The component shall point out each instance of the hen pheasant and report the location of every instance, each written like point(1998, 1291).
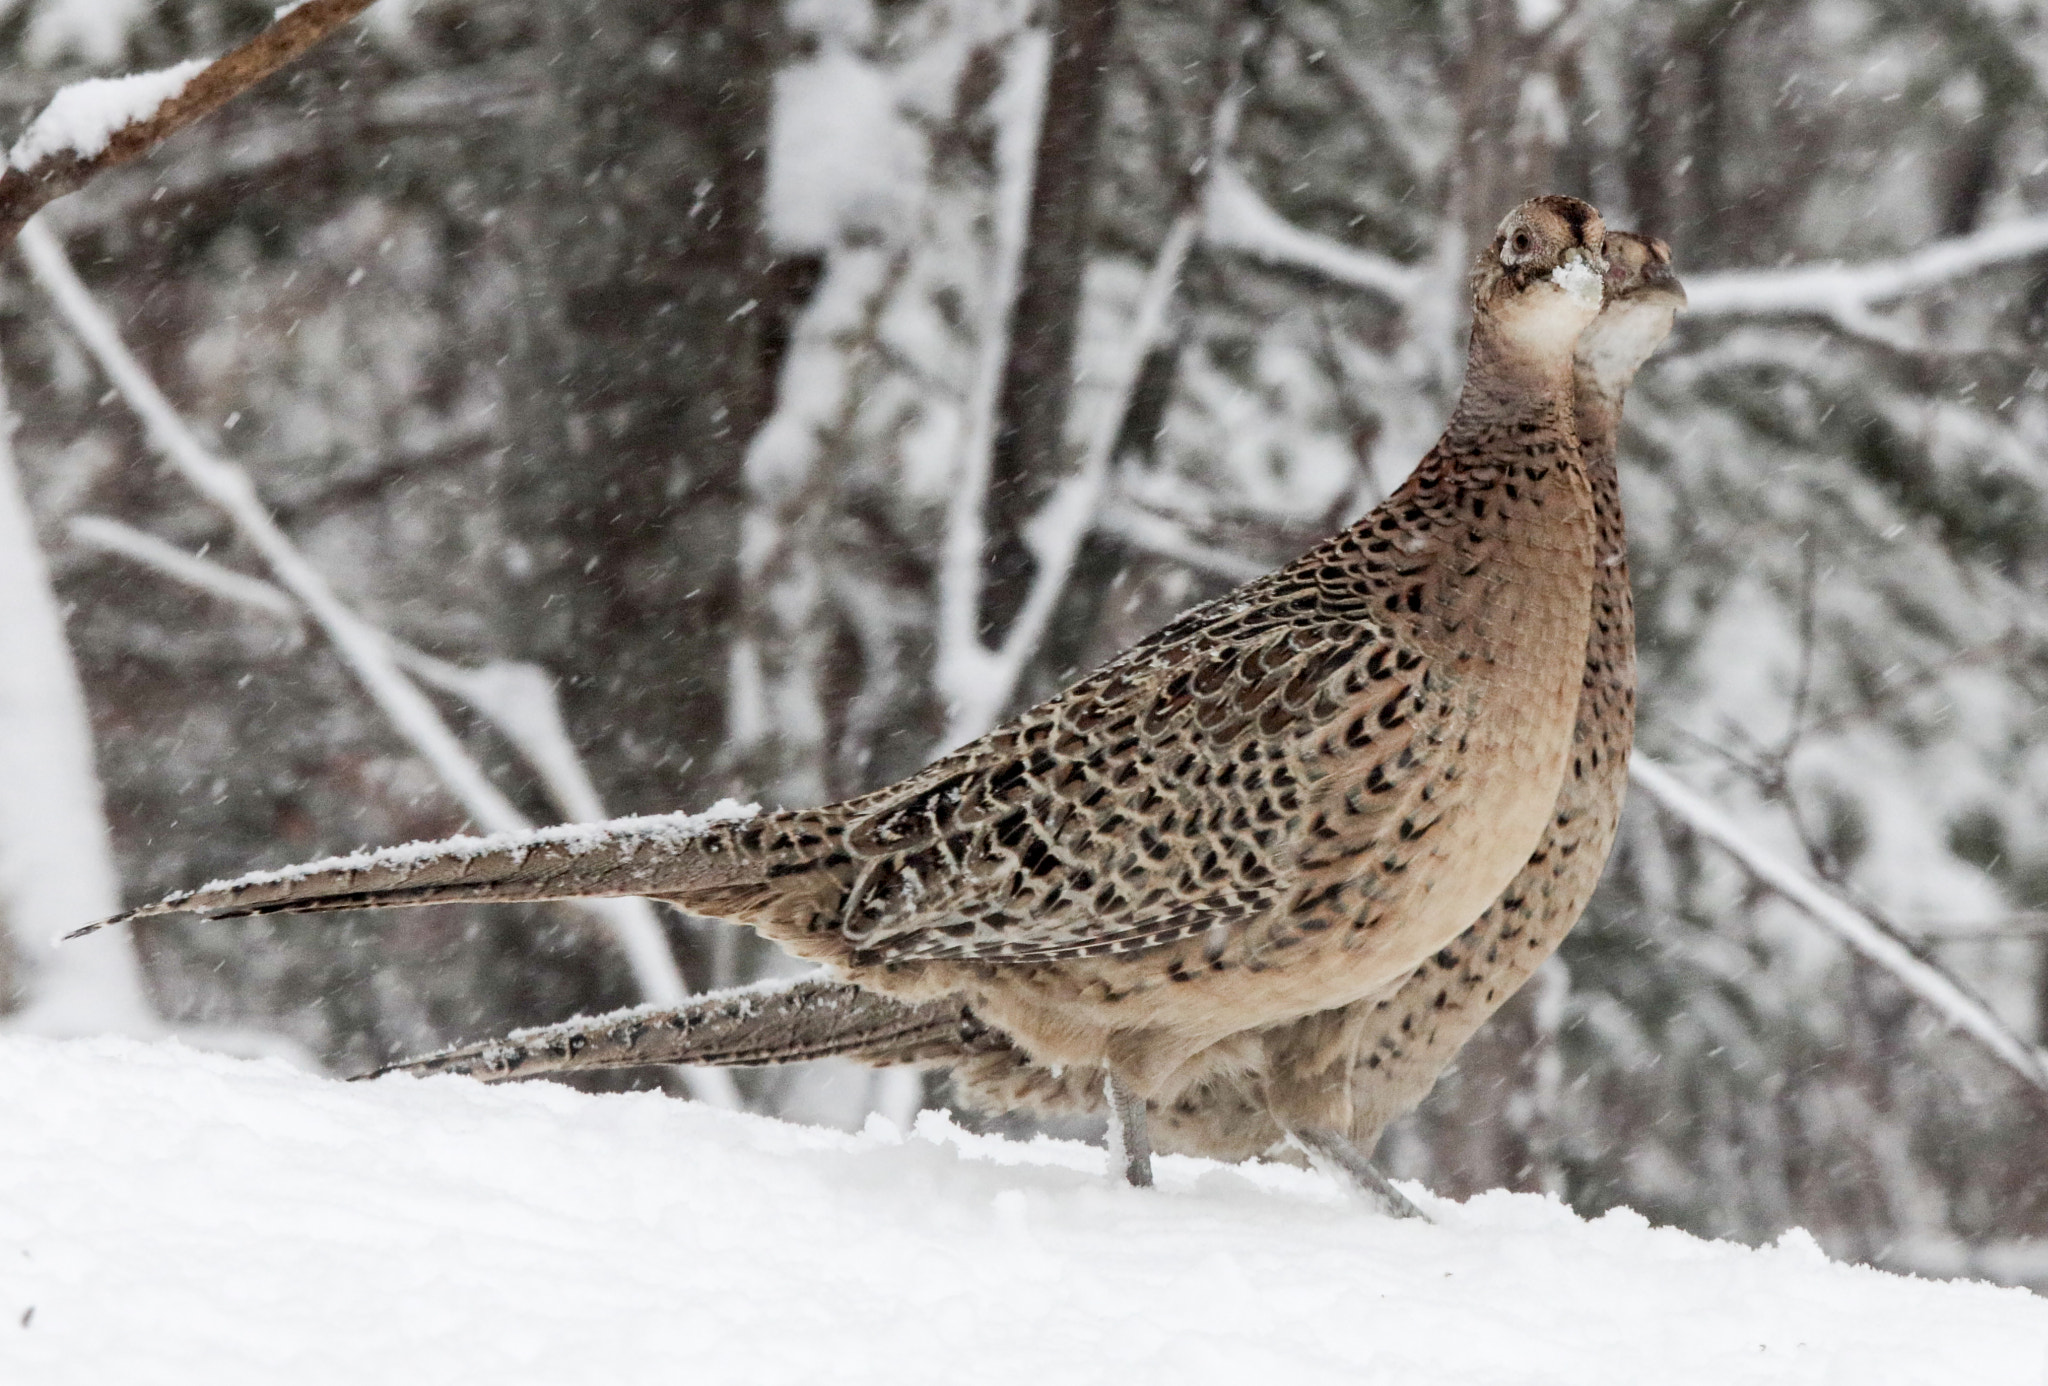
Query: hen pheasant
point(1398, 1043)
point(1282, 803)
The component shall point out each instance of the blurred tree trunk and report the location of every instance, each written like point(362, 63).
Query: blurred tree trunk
point(651, 365)
point(1072, 638)
point(1505, 100)
point(1031, 410)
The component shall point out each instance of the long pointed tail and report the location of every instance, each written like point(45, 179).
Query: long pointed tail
point(779, 1022)
point(664, 855)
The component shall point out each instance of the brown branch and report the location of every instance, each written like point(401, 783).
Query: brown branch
point(24, 192)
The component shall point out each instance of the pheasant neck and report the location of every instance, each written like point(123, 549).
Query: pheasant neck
point(1507, 386)
point(1597, 414)
point(1611, 640)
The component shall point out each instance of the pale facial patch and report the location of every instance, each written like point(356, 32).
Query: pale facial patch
point(1621, 339)
point(1547, 318)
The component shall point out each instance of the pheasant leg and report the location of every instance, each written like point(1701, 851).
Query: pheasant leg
point(1130, 1143)
point(1335, 1154)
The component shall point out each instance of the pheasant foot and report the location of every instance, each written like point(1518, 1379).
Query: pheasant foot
point(1335, 1154)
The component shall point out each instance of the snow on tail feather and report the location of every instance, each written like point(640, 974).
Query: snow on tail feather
point(774, 1023)
point(624, 856)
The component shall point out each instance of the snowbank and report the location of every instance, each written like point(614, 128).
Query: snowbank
point(170, 1216)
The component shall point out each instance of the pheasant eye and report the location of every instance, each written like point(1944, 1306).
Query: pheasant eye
point(1521, 242)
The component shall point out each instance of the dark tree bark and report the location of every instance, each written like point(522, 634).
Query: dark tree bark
point(1031, 411)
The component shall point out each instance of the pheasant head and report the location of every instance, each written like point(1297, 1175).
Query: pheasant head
point(1643, 296)
point(1539, 282)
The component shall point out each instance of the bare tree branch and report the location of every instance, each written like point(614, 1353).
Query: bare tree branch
point(1870, 937)
point(50, 160)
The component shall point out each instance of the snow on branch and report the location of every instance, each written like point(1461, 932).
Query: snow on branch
point(1165, 538)
point(93, 125)
point(1848, 295)
point(367, 651)
point(201, 574)
point(1868, 936)
point(962, 663)
point(515, 697)
point(980, 682)
point(361, 645)
point(1236, 218)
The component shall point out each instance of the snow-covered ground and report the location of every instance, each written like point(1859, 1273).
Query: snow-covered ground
point(171, 1216)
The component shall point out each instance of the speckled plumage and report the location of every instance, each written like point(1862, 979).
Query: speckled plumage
point(1280, 805)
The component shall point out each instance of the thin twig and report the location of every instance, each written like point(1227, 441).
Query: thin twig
point(27, 188)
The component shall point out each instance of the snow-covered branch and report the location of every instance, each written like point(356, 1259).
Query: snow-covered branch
point(1873, 939)
point(202, 574)
point(361, 645)
point(367, 651)
point(1057, 531)
point(1849, 295)
point(1236, 218)
point(1156, 534)
point(515, 697)
point(94, 125)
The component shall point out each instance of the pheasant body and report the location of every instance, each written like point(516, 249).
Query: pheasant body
point(1280, 805)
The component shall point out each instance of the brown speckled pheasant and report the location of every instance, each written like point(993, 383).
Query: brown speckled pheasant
point(1400, 1041)
point(1281, 804)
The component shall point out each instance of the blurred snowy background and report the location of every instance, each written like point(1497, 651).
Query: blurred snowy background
point(711, 375)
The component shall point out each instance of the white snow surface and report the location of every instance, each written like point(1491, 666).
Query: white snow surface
point(82, 117)
point(653, 831)
point(171, 1216)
